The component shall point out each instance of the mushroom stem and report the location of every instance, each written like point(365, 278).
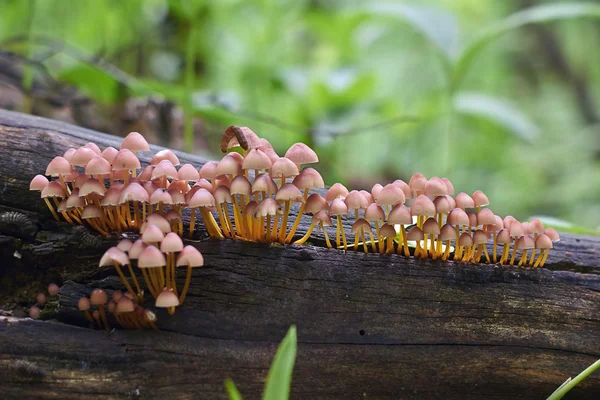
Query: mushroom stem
point(66, 215)
point(103, 316)
point(514, 252)
point(284, 221)
point(136, 211)
point(88, 316)
point(390, 245)
point(373, 244)
point(486, 254)
point(54, 214)
point(186, 286)
point(73, 214)
point(380, 242)
point(523, 258)
point(326, 236)
point(224, 225)
point(304, 238)
point(433, 247)
point(447, 251)
point(239, 221)
point(171, 310)
point(268, 234)
point(533, 253)
point(140, 293)
point(123, 279)
point(542, 258)
point(148, 281)
point(193, 222)
point(290, 235)
point(404, 242)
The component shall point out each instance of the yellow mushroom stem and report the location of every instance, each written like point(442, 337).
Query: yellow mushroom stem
point(274, 230)
point(419, 250)
point(121, 321)
point(326, 235)
point(485, 253)
point(268, 225)
point(523, 257)
point(292, 232)
point(433, 247)
point(136, 210)
point(372, 241)
point(171, 310)
point(148, 281)
point(155, 278)
point(103, 316)
point(404, 242)
point(304, 238)
point(193, 222)
point(54, 214)
point(390, 245)
point(88, 316)
point(542, 259)
point(73, 214)
point(240, 227)
point(533, 254)
point(123, 279)
point(514, 252)
point(140, 293)
point(447, 251)
point(380, 242)
point(284, 221)
point(224, 225)
point(66, 215)
point(495, 236)
point(186, 286)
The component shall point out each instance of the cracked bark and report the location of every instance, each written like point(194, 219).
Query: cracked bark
point(369, 326)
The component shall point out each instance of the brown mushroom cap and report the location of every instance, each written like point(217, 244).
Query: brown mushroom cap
point(83, 304)
point(53, 289)
point(267, 207)
point(543, 242)
point(202, 198)
point(161, 195)
point(166, 299)
point(190, 257)
point(355, 200)
point(284, 167)
point(165, 155)
point(134, 141)
point(98, 297)
point(264, 183)
point(98, 166)
point(431, 226)
point(92, 186)
point(229, 165)
point(508, 220)
point(40, 298)
point(134, 192)
point(53, 189)
point(92, 211)
point(435, 187)
point(408, 194)
point(390, 195)
point(335, 191)
point(516, 229)
point(415, 234)
point(152, 234)
point(422, 206)
point(82, 156)
point(124, 305)
point(222, 195)
point(165, 169)
point(256, 159)
point(443, 204)
point(338, 207)
point(373, 212)
point(480, 199)
point(447, 233)
point(526, 243)
point(400, 214)
point(315, 203)
point(209, 170)
point(125, 160)
point(359, 224)
point(111, 198)
point(58, 166)
point(289, 191)
point(322, 217)
point(449, 186)
point(375, 190)
point(465, 240)
point(486, 217)
point(503, 236)
point(309, 178)
point(552, 234)
point(136, 249)
point(299, 153)
point(171, 243)
point(34, 312)
point(387, 231)
point(480, 237)
point(187, 172)
point(240, 185)
point(151, 257)
point(124, 245)
point(39, 182)
point(536, 226)
point(156, 219)
point(417, 183)
point(463, 201)
point(114, 255)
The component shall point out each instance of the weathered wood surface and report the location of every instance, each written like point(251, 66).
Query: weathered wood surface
point(369, 326)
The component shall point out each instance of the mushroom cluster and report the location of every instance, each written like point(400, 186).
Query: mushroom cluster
point(124, 308)
point(249, 194)
point(156, 254)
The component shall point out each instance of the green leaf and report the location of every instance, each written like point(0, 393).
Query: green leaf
point(532, 15)
point(232, 391)
point(571, 383)
point(439, 27)
point(497, 110)
point(279, 379)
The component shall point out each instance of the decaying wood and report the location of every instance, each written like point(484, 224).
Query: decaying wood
point(369, 326)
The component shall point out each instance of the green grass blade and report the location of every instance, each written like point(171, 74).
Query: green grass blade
point(232, 391)
point(279, 379)
point(532, 15)
point(568, 385)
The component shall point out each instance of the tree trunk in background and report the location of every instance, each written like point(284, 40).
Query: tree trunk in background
point(369, 326)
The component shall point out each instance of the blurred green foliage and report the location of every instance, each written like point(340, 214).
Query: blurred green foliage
point(381, 89)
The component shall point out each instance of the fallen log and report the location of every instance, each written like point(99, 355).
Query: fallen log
point(369, 325)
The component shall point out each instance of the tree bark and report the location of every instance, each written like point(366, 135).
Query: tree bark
point(369, 325)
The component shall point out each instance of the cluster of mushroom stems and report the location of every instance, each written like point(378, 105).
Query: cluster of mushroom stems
point(249, 195)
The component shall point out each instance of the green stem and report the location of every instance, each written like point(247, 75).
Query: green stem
point(570, 384)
